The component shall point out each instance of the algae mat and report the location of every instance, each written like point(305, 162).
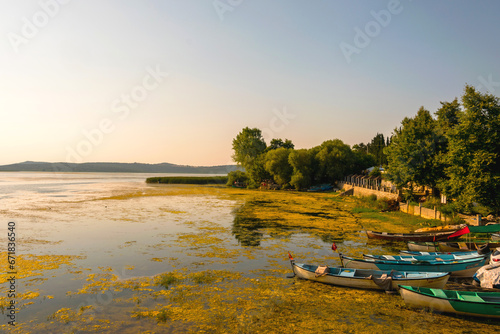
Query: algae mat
point(135, 258)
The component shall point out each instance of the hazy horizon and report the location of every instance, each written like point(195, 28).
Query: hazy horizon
point(175, 81)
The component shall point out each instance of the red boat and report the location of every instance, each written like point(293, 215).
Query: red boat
point(420, 237)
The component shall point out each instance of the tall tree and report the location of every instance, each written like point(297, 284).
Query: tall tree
point(413, 152)
point(335, 159)
point(248, 147)
point(276, 163)
point(474, 152)
point(376, 148)
point(302, 162)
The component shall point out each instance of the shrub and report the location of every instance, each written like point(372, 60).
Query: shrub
point(188, 180)
point(237, 177)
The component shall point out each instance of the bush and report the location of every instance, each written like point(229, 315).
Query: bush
point(188, 180)
point(385, 204)
point(238, 178)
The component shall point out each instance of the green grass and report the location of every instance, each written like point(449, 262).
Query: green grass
point(188, 180)
point(363, 210)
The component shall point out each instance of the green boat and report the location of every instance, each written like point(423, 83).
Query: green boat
point(479, 304)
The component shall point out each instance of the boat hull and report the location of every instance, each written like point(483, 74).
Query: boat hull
point(467, 304)
point(419, 237)
point(434, 280)
point(465, 268)
point(448, 246)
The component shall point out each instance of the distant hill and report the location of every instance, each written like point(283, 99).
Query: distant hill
point(115, 167)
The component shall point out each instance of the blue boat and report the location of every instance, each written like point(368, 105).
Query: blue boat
point(459, 268)
point(419, 253)
point(426, 256)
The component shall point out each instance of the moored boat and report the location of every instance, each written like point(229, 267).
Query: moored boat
point(436, 236)
point(459, 268)
point(473, 253)
point(482, 304)
point(370, 279)
point(421, 256)
point(441, 228)
point(443, 246)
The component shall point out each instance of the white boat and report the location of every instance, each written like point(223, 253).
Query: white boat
point(370, 279)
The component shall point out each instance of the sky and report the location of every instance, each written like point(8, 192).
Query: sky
point(175, 81)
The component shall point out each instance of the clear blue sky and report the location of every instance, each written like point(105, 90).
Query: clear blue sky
point(175, 81)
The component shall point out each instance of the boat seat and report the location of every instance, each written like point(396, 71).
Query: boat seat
point(470, 298)
point(347, 273)
point(439, 293)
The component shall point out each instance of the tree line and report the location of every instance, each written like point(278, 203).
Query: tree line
point(281, 163)
point(455, 153)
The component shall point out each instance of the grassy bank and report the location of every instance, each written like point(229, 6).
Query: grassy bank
point(188, 180)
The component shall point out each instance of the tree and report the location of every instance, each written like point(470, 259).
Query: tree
point(412, 154)
point(248, 147)
point(334, 159)
point(447, 115)
point(302, 163)
point(376, 148)
point(276, 163)
point(277, 143)
point(474, 152)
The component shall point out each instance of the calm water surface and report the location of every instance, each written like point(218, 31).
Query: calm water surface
point(114, 221)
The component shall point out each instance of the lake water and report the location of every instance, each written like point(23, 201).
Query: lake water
point(116, 223)
point(90, 246)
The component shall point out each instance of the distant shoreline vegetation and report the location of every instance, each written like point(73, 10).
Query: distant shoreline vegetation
point(188, 180)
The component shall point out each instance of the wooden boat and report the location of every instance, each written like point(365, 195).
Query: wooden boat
point(440, 228)
point(436, 236)
point(443, 246)
point(473, 253)
point(481, 304)
point(495, 237)
point(427, 257)
point(370, 279)
point(459, 268)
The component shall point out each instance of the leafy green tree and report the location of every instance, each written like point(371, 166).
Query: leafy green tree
point(335, 159)
point(412, 154)
point(376, 148)
point(447, 115)
point(277, 143)
point(248, 147)
point(361, 148)
point(474, 152)
point(276, 164)
point(302, 163)
point(362, 161)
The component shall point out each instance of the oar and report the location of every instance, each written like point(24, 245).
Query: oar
point(334, 248)
point(291, 262)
